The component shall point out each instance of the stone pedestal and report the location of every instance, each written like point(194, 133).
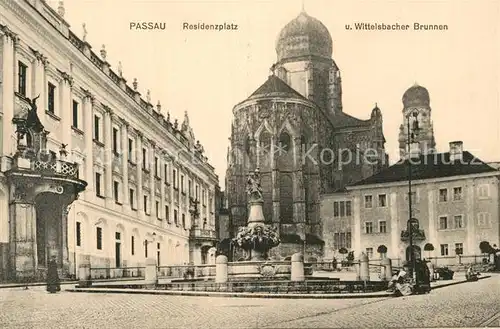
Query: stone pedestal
point(297, 270)
point(256, 215)
point(221, 269)
point(150, 274)
point(84, 279)
point(364, 270)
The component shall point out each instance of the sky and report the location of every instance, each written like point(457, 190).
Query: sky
point(208, 72)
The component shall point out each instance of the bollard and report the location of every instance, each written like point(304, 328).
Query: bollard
point(150, 273)
point(364, 271)
point(297, 270)
point(386, 266)
point(431, 271)
point(358, 273)
point(221, 269)
point(84, 279)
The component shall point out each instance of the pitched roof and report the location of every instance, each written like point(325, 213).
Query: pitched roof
point(274, 87)
point(429, 166)
point(344, 120)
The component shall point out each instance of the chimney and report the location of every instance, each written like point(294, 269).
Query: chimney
point(456, 150)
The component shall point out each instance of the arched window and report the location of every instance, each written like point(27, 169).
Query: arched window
point(247, 144)
point(284, 143)
point(286, 198)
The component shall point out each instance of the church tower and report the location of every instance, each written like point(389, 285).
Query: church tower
point(416, 106)
point(304, 61)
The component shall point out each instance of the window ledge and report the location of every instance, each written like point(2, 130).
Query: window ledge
point(98, 143)
point(76, 130)
point(52, 115)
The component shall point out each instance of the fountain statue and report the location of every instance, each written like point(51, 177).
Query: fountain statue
point(257, 238)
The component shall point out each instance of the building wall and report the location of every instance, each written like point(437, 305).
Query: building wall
point(172, 170)
point(479, 211)
point(337, 223)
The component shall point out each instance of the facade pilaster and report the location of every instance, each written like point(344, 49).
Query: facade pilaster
point(471, 244)
point(108, 154)
point(356, 234)
point(88, 115)
point(40, 82)
point(163, 201)
point(432, 218)
point(8, 82)
point(152, 179)
point(124, 162)
point(140, 193)
point(395, 227)
point(66, 112)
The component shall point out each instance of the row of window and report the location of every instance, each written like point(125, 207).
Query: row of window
point(445, 223)
point(444, 250)
point(116, 145)
point(118, 241)
point(444, 196)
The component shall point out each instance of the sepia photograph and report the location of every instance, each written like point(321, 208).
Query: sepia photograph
point(249, 164)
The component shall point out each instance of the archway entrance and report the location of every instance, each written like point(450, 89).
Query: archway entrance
point(417, 252)
point(49, 229)
point(204, 254)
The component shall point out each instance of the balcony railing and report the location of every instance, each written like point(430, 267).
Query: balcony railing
point(52, 167)
point(203, 234)
point(417, 235)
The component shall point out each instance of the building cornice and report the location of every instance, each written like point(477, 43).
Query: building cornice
point(423, 181)
point(90, 72)
point(133, 220)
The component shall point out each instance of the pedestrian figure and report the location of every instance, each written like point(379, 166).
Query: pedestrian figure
point(53, 284)
point(334, 264)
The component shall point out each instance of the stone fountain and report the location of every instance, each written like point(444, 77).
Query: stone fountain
point(257, 238)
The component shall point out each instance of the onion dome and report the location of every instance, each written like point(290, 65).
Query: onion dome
point(376, 113)
point(304, 36)
point(416, 96)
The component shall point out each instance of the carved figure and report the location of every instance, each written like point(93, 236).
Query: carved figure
point(253, 185)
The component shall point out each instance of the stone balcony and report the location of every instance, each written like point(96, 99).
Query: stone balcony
point(203, 234)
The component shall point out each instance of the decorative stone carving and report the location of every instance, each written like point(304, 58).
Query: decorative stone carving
point(103, 52)
point(135, 84)
point(84, 36)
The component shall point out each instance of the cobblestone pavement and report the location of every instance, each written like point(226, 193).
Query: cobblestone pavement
point(461, 305)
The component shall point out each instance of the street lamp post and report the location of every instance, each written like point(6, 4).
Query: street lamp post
point(412, 132)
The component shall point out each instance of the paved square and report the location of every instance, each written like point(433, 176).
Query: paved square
point(463, 305)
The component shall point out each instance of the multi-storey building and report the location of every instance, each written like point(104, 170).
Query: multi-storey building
point(90, 170)
point(455, 197)
point(455, 202)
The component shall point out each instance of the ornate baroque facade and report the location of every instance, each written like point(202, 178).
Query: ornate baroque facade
point(294, 129)
point(72, 127)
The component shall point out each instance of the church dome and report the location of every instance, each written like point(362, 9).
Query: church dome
point(304, 36)
point(416, 96)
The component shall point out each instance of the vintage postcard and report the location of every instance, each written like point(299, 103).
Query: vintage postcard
point(249, 164)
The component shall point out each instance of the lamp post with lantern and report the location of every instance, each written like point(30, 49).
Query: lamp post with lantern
point(412, 224)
